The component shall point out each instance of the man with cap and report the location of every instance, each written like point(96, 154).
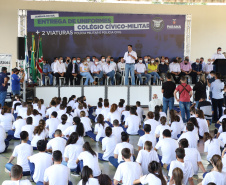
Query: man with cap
point(16, 81)
point(3, 85)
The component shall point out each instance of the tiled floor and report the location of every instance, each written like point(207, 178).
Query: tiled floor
point(106, 167)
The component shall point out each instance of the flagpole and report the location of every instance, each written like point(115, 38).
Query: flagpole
point(37, 58)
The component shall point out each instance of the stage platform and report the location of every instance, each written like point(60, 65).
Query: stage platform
point(131, 94)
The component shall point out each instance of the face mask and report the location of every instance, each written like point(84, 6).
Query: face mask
point(74, 61)
point(152, 61)
point(44, 63)
point(61, 60)
point(111, 62)
point(68, 60)
point(140, 61)
point(145, 59)
point(88, 59)
point(197, 63)
point(93, 60)
point(162, 63)
point(78, 61)
point(103, 60)
point(85, 63)
point(96, 63)
point(185, 63)
point(166, 61)
point(219, 52)
point(57, 60)
point(208, 62)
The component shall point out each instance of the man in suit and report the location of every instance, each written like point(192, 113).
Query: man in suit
point(72, 71)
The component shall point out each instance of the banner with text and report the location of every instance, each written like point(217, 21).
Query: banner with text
point(95, 34)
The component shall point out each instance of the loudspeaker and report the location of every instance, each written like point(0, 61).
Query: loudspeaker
point(20, 48)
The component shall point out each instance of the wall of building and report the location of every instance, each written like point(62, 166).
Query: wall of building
point(208, 24)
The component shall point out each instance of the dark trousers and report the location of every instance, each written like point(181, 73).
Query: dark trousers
point(217, 106)
point(71, 78)
point(194, 77)
point(176, 78)
point(57, 75)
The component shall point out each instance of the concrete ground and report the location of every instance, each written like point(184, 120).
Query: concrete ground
point(106, 167)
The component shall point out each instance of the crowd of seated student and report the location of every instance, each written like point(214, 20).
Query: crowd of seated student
point(73, 69)
point(163, 143)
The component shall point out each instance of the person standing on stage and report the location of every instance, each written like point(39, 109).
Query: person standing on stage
point(218, 55)
point(3, 85)
point(130, 57)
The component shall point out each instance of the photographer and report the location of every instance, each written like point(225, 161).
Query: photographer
point(16, 81)
point(3, 85)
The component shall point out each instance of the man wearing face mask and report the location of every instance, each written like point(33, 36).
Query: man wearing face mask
point(218, 55)
point(53, 65)
point(175, 71)
point(208, 68)
point(90, 63)
point(146, 61)
point(185, 67)
point(47, 72)
point(163, 69)
point(141, 70)
point(112, 62)
point(60, 70)
point(167, 61)
point(96, 70)
point(120, 70)
point(78, 62)
point(67, 62)
point(202, 62)
point(196, 70)
point(16, 81)
point(108, 70)
point(102, 61)
point(130, 56)
point(94, 58)
point(72, 72)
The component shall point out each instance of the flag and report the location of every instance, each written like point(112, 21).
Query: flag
point(33, 66)
point(39, 63)
point(26, 53)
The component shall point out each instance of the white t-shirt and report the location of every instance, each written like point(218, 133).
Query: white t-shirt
point(116, 131)
point(91, 181)
point(90, 161)
point(108, 146)
point(20, 182)
point(176, 128)
point(36, 137)
point(57, 143)
point(118, 150)
point(64, 127)
point(203, 126)
point(100, 130)
point(224, 163)
point(2, 139)
point(105, 112)
point(60, 113)
point(50, 110)
point(222, 117)
point(168, 147)
point(29, 129)
point(133, 122)
point(52, 124)
point(36, 119)
point(41, 161)
point(153, 124)
point(72, 152)
point(22, 112)
point(215, 177)
point(17, 125)
point(147, 137)
point(150, 179)
point(222, 137)
point(22, 151)
point(57, 174)
point(14, 102)
point(128, 172)
point(193, 156)
point(159, 130)
point(114, 115)
point(42, 110)
point(126, 114)
point(69, 130)
point(86, 123)
point(212, 148)
point(144, 158)
point(191, 137)
point(6, 121)
point(186, 167)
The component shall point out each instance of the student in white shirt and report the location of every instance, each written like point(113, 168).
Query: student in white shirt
point(21, 151)
point(185, 166)
point(151, 121)
point(41, 108)
point(223, 156)
point(105, 110)
point(6, 118)
point(147, 155)
point(69, 114)
point(113, 114)
point(222, 136)
point(108, 145)
point(22, 111)
point(126, 113)
point(98, 110)
point(117, 131)
point(121, 108)
point(87, 177)
point(203, 125)
point(177, 177)
point(4, 143)
point(39, 133)
point(128, 171)
point(28, 112)
point(57, 143)
point(16, 175)
point(52, 124)
point(133, 122)
point(117, 159)
point(29, 128)
point(176, 127)
point(39, 162)
point(51, 109)
point(140, 111)
point(216, 175)
point(85, 121)
point(64, 124)
point(99, 129)
point(16, 128)
point(160, 128)
point(154, 176)
point(168, 147)
point(15, 101)
point(192, 155)
point(71, 153)
point(89, 158)
point(57, 173)
point(61, 111)
point(147, 137)
point(71, 101)
point(212, 146)
point(190, 136)
point(36, 117)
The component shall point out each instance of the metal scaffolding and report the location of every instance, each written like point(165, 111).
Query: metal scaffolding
point(187, 36)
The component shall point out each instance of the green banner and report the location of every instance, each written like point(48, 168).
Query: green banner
point(70, 21)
